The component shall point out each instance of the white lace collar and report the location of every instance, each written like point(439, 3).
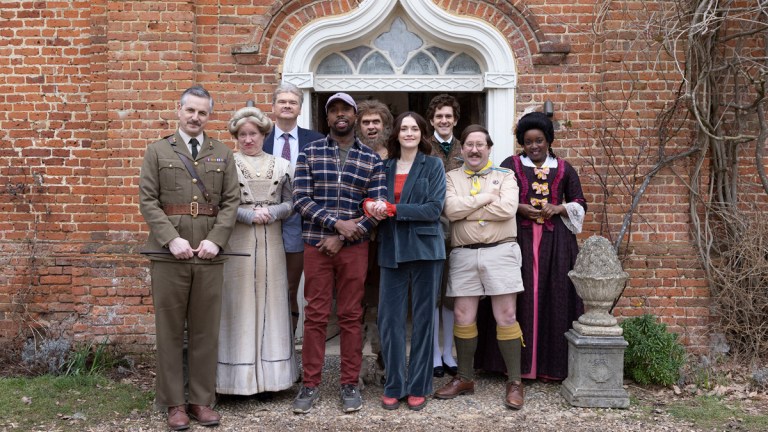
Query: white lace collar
point(549, 163)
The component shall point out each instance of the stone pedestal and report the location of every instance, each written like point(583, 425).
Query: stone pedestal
point(595, 371)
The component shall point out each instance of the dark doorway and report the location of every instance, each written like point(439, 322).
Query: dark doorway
point(472, 106)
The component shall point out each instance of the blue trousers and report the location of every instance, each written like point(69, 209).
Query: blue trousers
point(422, 278)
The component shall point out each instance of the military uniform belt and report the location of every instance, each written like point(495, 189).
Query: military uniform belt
point(193, 209)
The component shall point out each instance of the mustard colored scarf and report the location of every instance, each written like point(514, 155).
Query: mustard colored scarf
point(475, 175)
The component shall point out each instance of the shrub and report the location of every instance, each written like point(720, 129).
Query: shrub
point(654, 355)
point(47, 356)
point(59, 357)
point(90, 359)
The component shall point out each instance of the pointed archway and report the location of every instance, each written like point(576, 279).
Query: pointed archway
point(496, 73)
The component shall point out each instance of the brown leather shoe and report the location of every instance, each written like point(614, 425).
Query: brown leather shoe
point(515, 395)
point(455, 387)
point(177, 418)
point(204, 415)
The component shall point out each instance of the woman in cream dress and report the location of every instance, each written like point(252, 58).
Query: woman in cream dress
point(256, 352)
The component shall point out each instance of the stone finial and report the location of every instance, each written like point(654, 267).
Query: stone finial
point(599, 279)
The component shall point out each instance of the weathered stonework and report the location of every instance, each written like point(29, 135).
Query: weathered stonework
point(595, 345)
point(595, 371)
point(599, 279)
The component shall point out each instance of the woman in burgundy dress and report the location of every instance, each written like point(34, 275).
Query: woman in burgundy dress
point(550, 214)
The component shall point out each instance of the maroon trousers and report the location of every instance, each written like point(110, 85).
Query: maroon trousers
point(345, 273)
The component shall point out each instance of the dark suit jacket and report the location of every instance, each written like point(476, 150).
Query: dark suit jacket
point(292, 241)
point(306, 136)
point(414, 233)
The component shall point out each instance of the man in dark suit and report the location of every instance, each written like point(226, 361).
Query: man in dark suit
point(189, 195)
point(286, 106)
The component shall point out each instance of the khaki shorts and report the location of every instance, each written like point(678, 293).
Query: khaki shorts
point(485, 271)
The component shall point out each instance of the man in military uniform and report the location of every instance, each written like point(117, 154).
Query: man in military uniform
point(189, 195)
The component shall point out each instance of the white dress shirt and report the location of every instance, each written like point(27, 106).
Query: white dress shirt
point(277, 149)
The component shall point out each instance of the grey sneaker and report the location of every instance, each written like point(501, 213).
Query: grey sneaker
point(305, 399)
point(351, 400)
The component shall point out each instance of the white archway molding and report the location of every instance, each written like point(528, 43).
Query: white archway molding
point(499, 79)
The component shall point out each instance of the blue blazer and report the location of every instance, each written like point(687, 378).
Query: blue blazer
point(292, 241)
point(306, 136)
point(414, 233)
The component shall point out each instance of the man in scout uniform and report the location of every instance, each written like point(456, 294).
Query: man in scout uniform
point(481, 202)
point(189, 196)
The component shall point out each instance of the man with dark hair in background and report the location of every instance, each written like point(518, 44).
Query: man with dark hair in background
point(443, 115)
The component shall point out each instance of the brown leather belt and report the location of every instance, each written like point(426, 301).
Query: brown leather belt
point(488, 245)
point(193, 209)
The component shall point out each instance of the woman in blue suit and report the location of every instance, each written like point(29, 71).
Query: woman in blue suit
point(411, 255)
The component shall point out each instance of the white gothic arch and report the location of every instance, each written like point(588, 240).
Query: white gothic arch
point(499, 78)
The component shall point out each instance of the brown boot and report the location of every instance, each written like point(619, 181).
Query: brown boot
point(177, 417)
point(204, 415)
point(515, 395)
point(455, 387)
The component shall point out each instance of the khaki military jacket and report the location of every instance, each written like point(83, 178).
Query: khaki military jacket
point(165, 180)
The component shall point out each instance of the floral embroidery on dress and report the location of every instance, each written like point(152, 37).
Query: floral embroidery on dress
point(248, 169)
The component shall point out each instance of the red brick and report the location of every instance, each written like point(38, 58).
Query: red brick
point(84, 105)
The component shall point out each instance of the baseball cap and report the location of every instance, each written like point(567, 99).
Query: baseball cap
point(347, 99)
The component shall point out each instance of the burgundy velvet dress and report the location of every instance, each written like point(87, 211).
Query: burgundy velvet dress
point(549, 304)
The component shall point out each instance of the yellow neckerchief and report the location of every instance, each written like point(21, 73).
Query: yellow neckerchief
point(475, 176)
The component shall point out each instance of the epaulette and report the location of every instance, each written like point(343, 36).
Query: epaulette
point(171, 139)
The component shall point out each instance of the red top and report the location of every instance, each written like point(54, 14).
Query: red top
point(399, 183)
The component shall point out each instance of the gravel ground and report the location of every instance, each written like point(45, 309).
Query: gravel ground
point(545, 410)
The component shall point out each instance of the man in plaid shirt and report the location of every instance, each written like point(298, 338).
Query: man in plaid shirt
point(333, 177)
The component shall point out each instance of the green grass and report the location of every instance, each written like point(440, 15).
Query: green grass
point(68, 403)
point(709, 412)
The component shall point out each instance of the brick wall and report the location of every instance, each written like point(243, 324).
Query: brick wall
point(87, 84)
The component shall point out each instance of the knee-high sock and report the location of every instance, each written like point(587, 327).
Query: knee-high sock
point(510, 339)
point(437, 357)
point(448, 337)
point(466, 344)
